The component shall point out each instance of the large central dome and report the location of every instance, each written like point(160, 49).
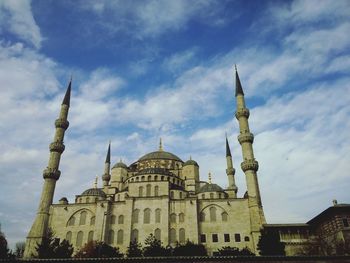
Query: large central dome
point(160, 155)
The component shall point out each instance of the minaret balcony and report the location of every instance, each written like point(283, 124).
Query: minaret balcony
point(50, 173)
point(106, 177)
point(246, 137)
point(57, 147)
point(249, 165)
point(230, 171)
point(62, 123)
point(242, 112)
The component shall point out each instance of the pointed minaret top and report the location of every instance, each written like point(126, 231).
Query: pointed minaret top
point(160, 145)
point(228, 151)
point(209, 177)
point(239, 89)
point(66, 99)
point(108, 157)
point(95, 183)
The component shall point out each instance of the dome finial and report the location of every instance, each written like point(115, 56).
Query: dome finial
point(160, 144)
point(95, 183)
point(209, 177)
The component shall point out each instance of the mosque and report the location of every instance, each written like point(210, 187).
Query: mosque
point(163, 195)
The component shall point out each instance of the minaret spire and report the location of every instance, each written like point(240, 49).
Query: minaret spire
point(230, 171)
point(106, 175)
point(160, 144)
point(249, 165)
point(209, 177)
point(51, 174)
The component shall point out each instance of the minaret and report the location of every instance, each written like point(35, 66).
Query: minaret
point(51, 174)
point(230, 171)
point(107, 176)
point(249, 165)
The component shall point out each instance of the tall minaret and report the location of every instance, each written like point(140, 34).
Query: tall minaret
point(51, 174)
point(230, 171)
point(107, 176)
point(249, 165)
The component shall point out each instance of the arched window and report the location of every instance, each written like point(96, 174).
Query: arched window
point(120, 236)
point(172, 236)
point(71, 221)
point(212, 214)
point(157, 215)
point(142, 178)
point(149, 178)
point(203, 196)
point(140, 191)
point(92, 221)
point(80, 236)
point(90, 236)
point(148, 190)
point(156, 178)
point(180, 195)
point(112, 219)
point(211, 196)
point(181, 217)
point(82, 218)
point(147, 216)
point(135, 235)
point(135, 216)
point(224, 216)
point(182, 237)
point(162, 178)
point(69, 236)
point(110, 238)
point(157, 234)
point(121, 219)
point(219, 195)
point(137, 179)
point(171, 194)
point(202, 217)
point(87, 199)
point(156, 190)
point(173, 218)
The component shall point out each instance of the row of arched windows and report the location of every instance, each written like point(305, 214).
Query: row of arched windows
point(213, 216)
point(120, 219)
point(212, 195)
point(156, 178)
point(146, 216)
point(82, 220)
point(120, 237)
point(173, 218)
point(135, 234)
point(173, 237)
point(80, 237)
point(149, 190)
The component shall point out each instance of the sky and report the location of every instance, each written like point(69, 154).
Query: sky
point(148, 69)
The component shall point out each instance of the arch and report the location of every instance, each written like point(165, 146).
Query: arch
point(69, 236)
point(182, 236)
point(173, 218)
point(157, 215)
point(142, 178)
point(156, 178)
point(92, 220)
point(181, 217)
point(212, 213)
point(211, 195)
point(112, 219)
point(148, 190)
point(135, 216)
point(71, 221)
point(171, 194)
point(172, 235)
point(90, 236)
point(224, 217)
point(162, 178)
point(180, 195)
point(157, 234)
point(80, 236)
point(147, 216)
point(149, 178)
point(202, 217)
point(156, 190)
point(135, 235)
point(121, 219)
point(110, 237)
point(87, 200)
point(140, 191)
point(82, 220)
point(120, 236)
point(203, 196)
point(137, 179)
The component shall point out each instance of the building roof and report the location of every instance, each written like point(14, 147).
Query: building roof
point(120, 165)
point(160, 155)
point(191, 162)
point(94, 192)
point(330, 211)
point(210, 188)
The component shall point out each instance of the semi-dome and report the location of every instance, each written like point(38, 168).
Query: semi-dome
point(120, 165)
point(94, 192)
point(161, 155)
point(191, 162)
point(210, 188)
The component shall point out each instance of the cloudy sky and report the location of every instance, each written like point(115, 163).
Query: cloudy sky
point(149, 69)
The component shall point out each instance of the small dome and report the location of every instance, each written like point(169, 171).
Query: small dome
point(210, 188)
point(120, 165)
point(94, 192)
point(191, 162)
point(160, 155)
point(63, 201)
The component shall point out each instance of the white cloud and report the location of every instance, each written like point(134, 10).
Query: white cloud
point(179, 61)
point(16, 17)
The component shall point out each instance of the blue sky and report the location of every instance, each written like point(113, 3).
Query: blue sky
point(149, 69)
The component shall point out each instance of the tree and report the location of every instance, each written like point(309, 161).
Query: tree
point(4, 251)
point(154, 248)
point(20, 246)
point(234, 251)
point(134, 249)
point(51, 247)
point(94, 249)
point(270, 243)
point(190, 249)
